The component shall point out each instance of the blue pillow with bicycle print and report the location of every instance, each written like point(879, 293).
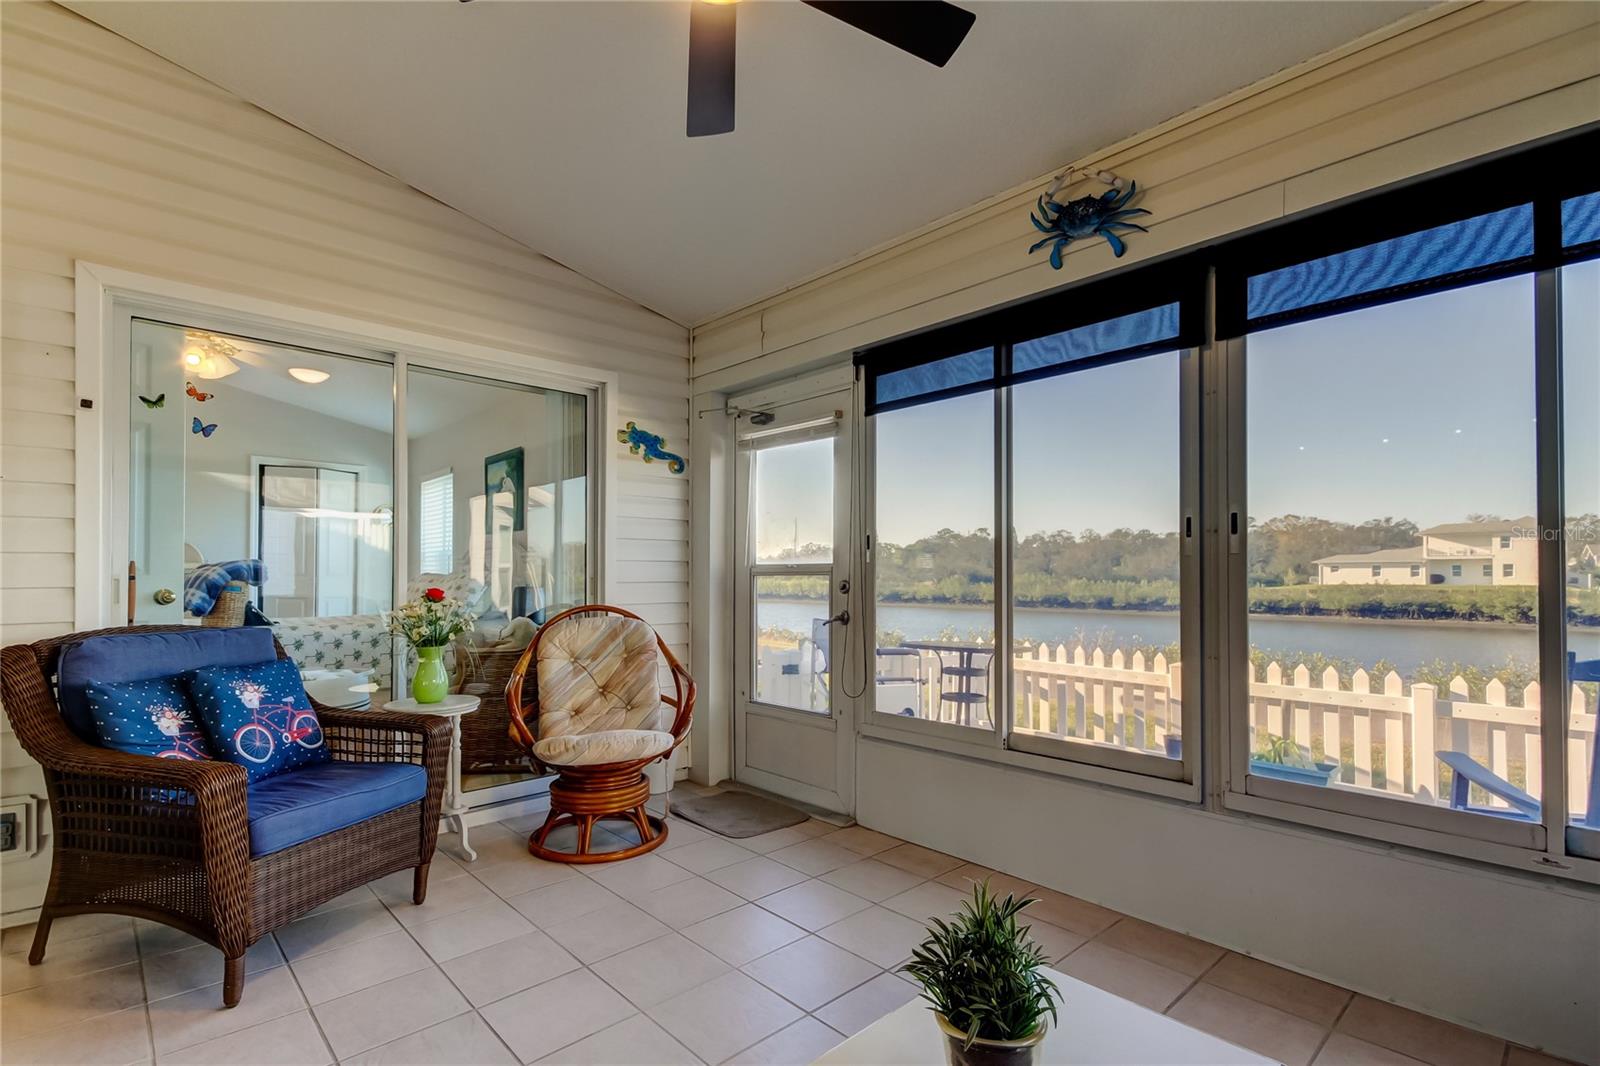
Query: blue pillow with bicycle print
point(258, 716)
point(151, 717)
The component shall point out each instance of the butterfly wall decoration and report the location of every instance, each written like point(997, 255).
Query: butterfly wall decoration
point(202, 429)
point(200, 397)
point(159, 401)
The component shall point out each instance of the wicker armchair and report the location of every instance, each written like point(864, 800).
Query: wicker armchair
point(600, 719)
point(168, 840)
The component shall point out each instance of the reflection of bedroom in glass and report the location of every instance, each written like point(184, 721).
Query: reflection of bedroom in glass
point(519, 460)
point(237, 465)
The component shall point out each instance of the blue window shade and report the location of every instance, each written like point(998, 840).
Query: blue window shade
point(1457, 248)
point(1142, 329)
point(901, 387)
point(1580, 220)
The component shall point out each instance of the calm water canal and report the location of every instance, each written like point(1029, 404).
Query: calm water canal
point(1406, 644)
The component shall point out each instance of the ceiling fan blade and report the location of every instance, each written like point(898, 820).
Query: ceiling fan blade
point(711, 64)
point(928, 29)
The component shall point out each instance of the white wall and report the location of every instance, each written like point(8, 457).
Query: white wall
point(115, 156)
point(1508, 953)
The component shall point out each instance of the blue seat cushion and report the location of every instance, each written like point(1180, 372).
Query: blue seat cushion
point(299, 805)
point(135, 656)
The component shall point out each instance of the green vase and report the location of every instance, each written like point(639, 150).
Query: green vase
point(432, 682)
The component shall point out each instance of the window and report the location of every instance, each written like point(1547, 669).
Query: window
point(791, 516)
point(436, 523)
point(1096, 589)
point(1580, 379)
point(1443, 687)
point(933, 562)
point(1065, 638)
point(1403, 708)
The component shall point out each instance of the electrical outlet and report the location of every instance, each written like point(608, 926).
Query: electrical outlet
point(8, 831)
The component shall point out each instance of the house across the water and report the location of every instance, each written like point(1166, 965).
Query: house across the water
point(1499, 552)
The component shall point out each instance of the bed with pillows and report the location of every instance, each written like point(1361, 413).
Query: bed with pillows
point(361, 642)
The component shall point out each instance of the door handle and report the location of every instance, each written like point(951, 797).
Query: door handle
point(164, 596)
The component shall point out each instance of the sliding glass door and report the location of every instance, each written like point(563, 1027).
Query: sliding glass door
point(271, 465)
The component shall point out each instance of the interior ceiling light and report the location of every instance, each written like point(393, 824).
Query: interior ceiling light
point(309, 376)
point(208, 356)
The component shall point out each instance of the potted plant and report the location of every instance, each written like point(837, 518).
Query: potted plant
point(429, 623)
point(1286, 760)
point(981, 974)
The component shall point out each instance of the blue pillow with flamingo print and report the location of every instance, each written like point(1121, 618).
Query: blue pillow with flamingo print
point(150, 717)
point(258, 716)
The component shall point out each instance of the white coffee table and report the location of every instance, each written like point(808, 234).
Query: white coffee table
point(1096, 1028)
point(452, 707)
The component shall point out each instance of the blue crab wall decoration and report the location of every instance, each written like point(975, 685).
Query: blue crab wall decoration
point(649, 447)
point(1087, 216)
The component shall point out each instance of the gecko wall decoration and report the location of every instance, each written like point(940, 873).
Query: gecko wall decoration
point(649, 447)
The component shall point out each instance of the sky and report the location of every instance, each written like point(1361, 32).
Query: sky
point(1422, 410)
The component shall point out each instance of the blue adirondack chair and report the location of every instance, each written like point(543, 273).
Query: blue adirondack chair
point(1467, 771)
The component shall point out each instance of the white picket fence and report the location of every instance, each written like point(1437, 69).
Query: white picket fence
point(1383, 736)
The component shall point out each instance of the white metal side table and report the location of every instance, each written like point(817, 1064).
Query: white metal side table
point(452, 707)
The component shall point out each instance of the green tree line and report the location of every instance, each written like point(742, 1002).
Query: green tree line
point(1128, 569)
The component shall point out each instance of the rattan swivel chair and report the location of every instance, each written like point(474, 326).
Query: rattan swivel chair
point(173, 841)
point(598, 718)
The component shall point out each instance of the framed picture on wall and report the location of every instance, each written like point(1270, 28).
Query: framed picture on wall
point(502, 472)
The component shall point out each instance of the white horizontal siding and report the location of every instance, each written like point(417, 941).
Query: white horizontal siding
point(1445, 87)
point(114, 155)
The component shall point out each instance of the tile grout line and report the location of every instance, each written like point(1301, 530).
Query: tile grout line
point(144, 983)
point(1191, 985)
point(472, 1007)
point(1333, 1027)
point(310, 1009)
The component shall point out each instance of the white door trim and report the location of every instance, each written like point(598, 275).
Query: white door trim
point(101, 289)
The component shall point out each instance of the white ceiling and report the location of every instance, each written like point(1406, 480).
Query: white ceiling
point(562, 124)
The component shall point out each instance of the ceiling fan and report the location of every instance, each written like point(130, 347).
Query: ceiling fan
point(931, 30)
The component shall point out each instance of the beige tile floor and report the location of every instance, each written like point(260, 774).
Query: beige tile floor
point(766, 950)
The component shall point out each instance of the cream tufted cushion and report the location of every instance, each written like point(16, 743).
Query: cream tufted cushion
point(598, 673)
point(606, 746)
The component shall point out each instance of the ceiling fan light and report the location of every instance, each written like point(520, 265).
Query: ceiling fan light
point(308, 375)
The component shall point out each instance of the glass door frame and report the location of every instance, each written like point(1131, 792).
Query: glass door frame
point(109, 301)
point(798, 416)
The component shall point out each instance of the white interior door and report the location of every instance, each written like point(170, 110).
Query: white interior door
point(793, 727)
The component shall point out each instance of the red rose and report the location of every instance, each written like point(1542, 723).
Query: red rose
point(435, 595)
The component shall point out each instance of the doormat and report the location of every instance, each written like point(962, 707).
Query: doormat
point(737, 814)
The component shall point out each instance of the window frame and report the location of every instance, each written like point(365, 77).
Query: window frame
point(1137, 771)
point(1220, 779)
